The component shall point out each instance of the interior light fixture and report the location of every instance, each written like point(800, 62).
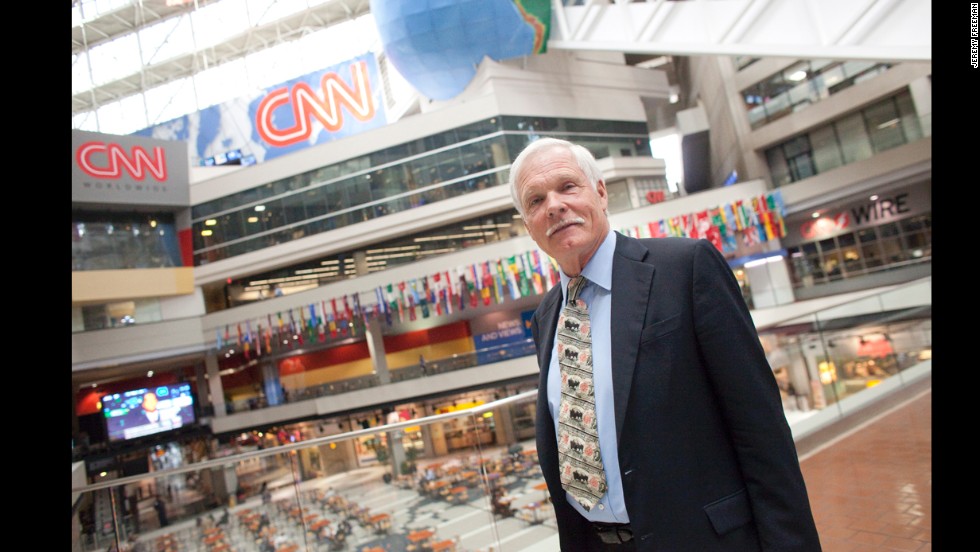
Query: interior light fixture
point(253, 219)
point(873, 197)
point(888, 123)
point(259, 208)
point(816, 214)
point(210, 222)
point(206, 233)
point(797, 76)
point(757, 262)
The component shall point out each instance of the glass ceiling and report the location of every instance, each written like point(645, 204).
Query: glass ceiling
point(204, 28)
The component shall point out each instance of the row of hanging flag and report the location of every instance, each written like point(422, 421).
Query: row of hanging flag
point(756, 220)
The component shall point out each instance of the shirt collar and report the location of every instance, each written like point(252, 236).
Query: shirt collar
point(599, 268)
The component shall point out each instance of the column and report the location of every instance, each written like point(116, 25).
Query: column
point(770, 282)
point(428, 450)
point(271, 384)
point(201, 381)
point(504, 425)
point(376, 346)
point(921, 90)
point(396, 451)
point(360, 263)
point(216, 392)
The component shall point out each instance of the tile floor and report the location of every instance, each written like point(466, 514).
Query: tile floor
point(871, 489)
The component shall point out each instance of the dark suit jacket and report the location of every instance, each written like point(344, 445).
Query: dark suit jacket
point(706, 456)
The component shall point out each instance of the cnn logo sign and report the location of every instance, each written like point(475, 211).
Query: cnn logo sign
point(302, 104)
point(112, 161)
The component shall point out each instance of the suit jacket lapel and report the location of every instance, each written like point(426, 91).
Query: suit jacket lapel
point(549, 309)
point(631, 286)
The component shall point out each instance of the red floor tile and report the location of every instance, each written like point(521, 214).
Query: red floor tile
point(871, 491)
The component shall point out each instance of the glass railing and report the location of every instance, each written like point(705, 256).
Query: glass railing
point(452, 363)
point(363, 490)
point(825, 360)
point(466, 480)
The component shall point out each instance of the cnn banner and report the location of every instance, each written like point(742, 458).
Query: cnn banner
point(313, 109)
point(128, 170)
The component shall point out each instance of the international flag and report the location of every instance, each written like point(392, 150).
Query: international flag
point(348, 317)
point(510, 271)
point(247, 339)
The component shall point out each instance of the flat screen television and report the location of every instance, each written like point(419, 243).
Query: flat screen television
point(140, 412)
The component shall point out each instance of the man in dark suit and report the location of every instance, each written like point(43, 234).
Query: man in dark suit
point(695, 447)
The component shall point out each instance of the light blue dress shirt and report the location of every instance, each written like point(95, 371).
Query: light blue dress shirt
point(597, 294)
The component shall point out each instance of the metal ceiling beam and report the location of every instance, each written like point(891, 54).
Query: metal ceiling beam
point(254, 39)
point(880, 30)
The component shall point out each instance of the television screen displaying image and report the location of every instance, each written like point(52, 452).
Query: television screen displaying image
point(140, 412)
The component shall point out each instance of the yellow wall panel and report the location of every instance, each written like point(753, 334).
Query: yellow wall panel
point(105, 286)
point(359, 368)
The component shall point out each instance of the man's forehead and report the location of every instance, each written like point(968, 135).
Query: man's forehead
point(551, 174)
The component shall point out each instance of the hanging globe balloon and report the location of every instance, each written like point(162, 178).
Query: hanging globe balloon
point(437, 45)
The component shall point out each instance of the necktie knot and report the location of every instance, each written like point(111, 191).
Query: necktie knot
point(575, 286)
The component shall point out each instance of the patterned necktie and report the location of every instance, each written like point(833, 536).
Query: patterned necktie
point(578, 435)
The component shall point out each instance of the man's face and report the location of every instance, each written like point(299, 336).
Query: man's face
point(562, 213)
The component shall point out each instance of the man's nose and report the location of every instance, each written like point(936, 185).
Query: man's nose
point(554, 204)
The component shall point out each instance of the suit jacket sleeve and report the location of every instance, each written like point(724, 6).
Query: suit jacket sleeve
point(748, 396)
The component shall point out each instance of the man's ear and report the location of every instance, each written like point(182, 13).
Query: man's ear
point(600, 188)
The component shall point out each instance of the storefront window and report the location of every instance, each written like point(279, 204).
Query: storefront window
point(114, 241)
point(798, 157)
point(801, 85)
point(743, 284)
point(911, 126)
point(870, 248)
point(778, 169)
point(864, 251)
point(423, 171)
point(833, 266)
point(894, 251)
point(813, 261)
point(402, 250)
point(918, 236)
point(800, 270)
point(826, 150)
point(851, 253)
point(855, 143)
point(884, 126)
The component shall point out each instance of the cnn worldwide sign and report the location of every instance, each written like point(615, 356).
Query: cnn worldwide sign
point(128, 170)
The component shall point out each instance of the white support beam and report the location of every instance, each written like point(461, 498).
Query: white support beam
point(886, 30)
